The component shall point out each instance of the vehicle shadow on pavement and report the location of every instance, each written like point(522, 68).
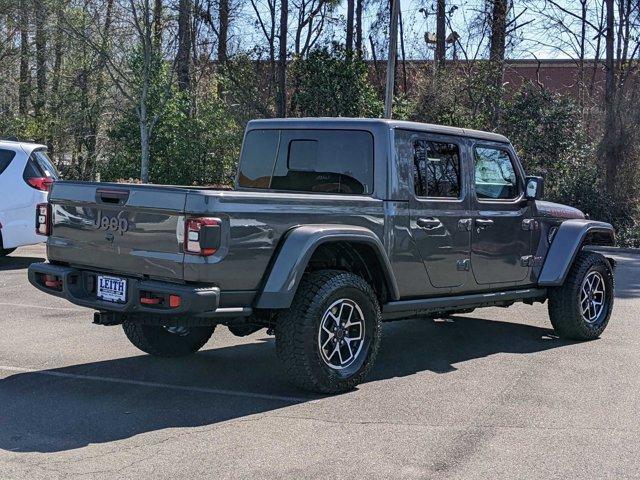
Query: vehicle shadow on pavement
point(17, 263)
point(627, 277)
point(48, 413)
point(417, 345)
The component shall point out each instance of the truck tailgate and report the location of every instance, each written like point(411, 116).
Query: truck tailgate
point(124, 228)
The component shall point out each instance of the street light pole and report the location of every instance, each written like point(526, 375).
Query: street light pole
point(391, 59)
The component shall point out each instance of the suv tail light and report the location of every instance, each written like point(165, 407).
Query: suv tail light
point(40, 183)
point(201, 236)
point(43, 219)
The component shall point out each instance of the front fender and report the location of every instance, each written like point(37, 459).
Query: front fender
point(293, 257)
point(567, 242)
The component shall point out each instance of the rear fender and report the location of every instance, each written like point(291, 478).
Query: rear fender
point(571, 236)
point(297, 249)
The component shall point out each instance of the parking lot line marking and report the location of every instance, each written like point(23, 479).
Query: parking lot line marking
point(144, 383)
point(4, 304)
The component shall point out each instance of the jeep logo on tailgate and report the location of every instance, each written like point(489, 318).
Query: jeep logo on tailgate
point(117, 223)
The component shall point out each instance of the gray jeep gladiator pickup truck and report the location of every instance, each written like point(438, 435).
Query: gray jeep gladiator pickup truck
point(334, 226)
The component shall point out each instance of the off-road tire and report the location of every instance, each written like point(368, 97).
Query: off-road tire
point(158, 341)
point(564, 302)
point(297, 328)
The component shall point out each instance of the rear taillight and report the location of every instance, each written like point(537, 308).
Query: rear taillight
point(40, 183)
point(43, 219)
point(201, 236)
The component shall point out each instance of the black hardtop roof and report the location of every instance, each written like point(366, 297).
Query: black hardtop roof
point(343, 122)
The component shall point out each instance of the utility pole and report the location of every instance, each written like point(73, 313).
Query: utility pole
point(391, 59)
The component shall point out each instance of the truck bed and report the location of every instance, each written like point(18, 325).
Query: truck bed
point(137, 229)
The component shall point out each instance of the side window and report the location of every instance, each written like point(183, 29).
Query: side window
point(5, 159)
point(495, 177)
point(258, 156)
point(436, 169)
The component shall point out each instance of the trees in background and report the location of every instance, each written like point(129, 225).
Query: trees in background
point(183, 54)
point(358, 22)
point(351, 6)
point(161, 89)
point(281, 99)
point(619, 149)
point(497, 50)
point(25, 75)
point(440, 54)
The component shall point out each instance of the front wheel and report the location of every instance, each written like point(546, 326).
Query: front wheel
point(580, 309)
point(329, 338)
point(164, 341)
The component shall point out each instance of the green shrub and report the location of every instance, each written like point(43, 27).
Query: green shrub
point(199, 149)
point(546, 129)
point(455, 97)
point(331, 82)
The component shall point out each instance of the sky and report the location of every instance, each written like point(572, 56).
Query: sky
point(536, 38)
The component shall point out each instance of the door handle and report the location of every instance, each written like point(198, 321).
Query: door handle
point(429, 223)
point(483, 223)
point(117, 196)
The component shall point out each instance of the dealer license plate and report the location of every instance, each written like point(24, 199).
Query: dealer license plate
point(112, 289)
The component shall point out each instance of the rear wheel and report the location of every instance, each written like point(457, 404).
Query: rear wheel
point(329, 338)
point(164, 341)
point(580, 309)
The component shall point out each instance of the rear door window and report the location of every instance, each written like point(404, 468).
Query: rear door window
point(436, 169)
point(5, 159)
point(316, 161)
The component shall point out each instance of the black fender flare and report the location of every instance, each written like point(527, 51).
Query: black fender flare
point(566, 244)
point(295, 252)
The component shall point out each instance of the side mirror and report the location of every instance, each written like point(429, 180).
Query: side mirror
point(534, 188)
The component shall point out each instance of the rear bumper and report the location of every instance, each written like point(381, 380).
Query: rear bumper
point(78, 286)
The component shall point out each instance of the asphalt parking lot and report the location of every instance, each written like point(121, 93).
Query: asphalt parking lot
point(491, 394)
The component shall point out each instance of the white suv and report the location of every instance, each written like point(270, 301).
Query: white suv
point(26, 174)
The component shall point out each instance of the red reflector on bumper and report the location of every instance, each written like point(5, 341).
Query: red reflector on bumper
point(51, 281)
point(174, 301)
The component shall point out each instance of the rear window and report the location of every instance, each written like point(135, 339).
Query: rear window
point(40, 166)
point(45, 164)
point(317, 161)
point(5, 159)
